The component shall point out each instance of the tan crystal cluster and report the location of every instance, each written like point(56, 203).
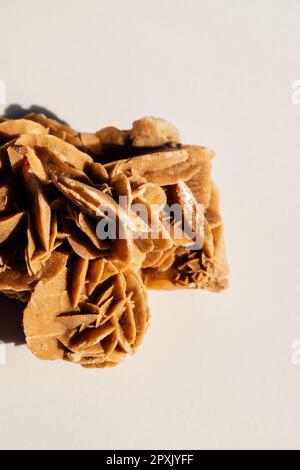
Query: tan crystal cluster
point(85, 295)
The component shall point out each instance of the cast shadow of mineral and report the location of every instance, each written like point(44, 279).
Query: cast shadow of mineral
point(16, 111)
point(11, 330)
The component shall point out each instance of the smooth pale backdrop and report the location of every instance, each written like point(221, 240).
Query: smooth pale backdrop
point(214, 371)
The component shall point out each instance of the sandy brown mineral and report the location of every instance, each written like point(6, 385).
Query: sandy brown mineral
point(85, 227)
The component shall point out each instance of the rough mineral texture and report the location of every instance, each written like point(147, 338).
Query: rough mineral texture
point(85, 293)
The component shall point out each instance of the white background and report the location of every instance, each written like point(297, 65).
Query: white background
point(214, 371)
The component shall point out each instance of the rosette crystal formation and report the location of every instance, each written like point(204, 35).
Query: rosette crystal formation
point(84, 230)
